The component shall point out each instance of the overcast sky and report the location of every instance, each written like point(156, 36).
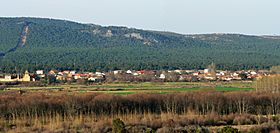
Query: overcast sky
point(182, 16)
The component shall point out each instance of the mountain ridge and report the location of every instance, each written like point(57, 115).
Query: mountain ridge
point(59, 44)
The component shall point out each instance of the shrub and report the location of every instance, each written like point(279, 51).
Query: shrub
point(118, 126)
point(196, 129)
point(165, 130)
point(149, 130)
point(266, 128)
point(243, 120)
point(228, 129)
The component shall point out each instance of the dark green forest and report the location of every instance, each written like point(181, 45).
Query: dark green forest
point(62, 45)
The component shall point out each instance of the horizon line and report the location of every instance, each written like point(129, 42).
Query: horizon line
point(135, 27)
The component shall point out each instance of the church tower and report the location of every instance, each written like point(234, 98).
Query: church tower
point(26, 77)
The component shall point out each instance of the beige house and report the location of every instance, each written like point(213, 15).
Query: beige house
point(8, 78)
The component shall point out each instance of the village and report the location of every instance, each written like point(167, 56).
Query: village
point(55, 76)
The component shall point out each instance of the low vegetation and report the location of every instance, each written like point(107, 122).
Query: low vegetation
point(140, 107)
point(42, 111)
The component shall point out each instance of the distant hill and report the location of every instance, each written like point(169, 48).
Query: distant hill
point(60, 44)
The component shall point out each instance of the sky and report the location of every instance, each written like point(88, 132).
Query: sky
point(254, 17)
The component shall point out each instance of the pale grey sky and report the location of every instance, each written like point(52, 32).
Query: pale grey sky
point(182, 16)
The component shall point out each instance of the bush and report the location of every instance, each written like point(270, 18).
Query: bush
point(228, 129)
point(243, 120)
point(266, 128)
point(196, 129)
point(118, 126)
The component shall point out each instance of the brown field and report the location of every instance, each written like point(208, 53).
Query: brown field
point(149, 107)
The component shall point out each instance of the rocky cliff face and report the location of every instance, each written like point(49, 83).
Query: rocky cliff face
point(22, 39)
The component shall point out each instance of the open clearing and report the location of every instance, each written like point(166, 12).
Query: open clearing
point(145, 87)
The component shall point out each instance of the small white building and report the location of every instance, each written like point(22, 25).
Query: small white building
point(98, 73)
point(196, 74)
point(162, 76)
point(128, 71)
point(178, 71)
point(91, 79)
point(135, 74)
point(117, 71)
point(206, 71)
point(39, 72)
point(8, 77)
point(73, 72)
point(253, 73)
point(235, 74)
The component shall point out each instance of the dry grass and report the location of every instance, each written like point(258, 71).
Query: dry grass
point(91, 123)
point(91, 112)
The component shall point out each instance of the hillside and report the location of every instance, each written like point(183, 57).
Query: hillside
point(59, 44)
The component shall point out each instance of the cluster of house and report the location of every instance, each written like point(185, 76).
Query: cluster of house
point(174, 75)
point(201, 75)
point(230, 75)
point(73, 75)
point(10, 78)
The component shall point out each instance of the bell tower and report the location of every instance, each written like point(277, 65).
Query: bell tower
point(26, 77)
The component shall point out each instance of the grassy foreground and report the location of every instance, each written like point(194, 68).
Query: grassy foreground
point(164, 107)
point(188, 111)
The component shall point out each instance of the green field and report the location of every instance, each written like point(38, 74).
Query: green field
point(145, 87)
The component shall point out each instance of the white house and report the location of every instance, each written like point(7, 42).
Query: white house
point(73, 72)
point(162, 76)
point(128, 71)
point(39, 72)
